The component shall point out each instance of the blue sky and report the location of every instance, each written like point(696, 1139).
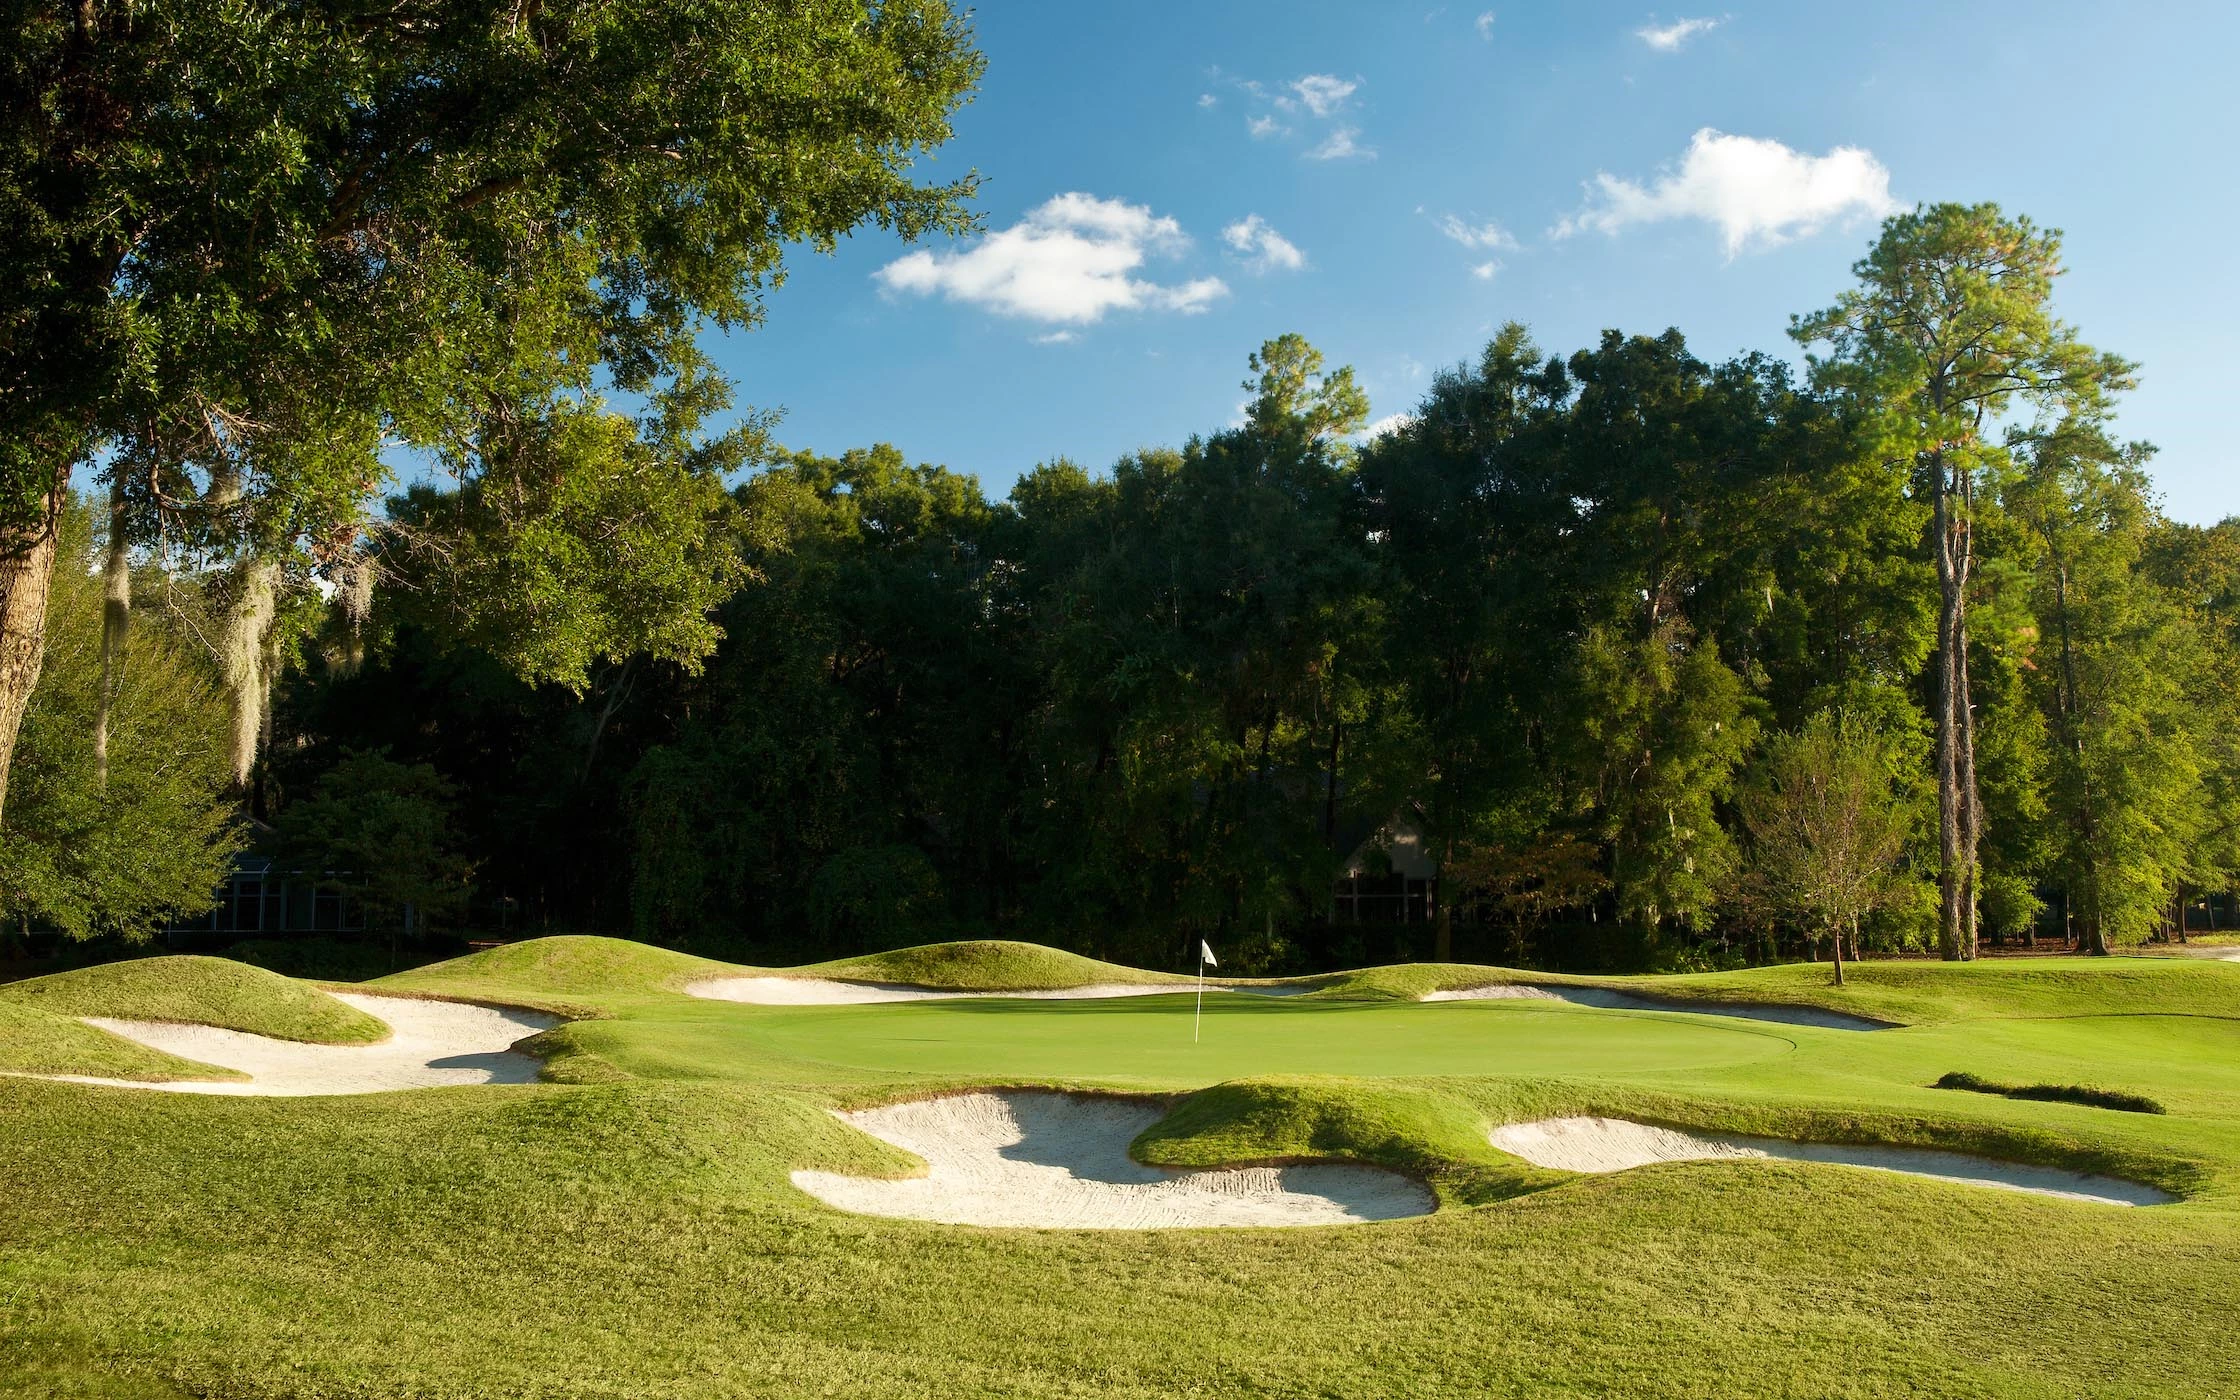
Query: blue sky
point(1428, 172)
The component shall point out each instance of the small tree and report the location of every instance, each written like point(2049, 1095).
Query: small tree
point(122, 841)
point(1829, 821)
point(380, 832)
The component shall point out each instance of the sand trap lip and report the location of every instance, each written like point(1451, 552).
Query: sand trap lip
point(1614, 1145)
point(1035, 1159)
point(431, 1043)
point(1608, 1000)
point(828, 991)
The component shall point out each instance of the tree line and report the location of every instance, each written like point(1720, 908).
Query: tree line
point(1656, 658)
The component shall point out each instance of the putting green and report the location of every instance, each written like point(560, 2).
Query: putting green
point(1147, 1040)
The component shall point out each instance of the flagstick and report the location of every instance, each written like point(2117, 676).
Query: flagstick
point(1198, 1017)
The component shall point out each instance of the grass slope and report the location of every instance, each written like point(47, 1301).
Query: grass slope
point(1903, 993)
point(569, 973)
point(37, 1041)
point(633, 1234)
point(203, 992)
point(986, 965)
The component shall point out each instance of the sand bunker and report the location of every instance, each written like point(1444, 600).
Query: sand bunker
point(1613, 1145)
point(1608, 1000)
point(823, 991)
point(431, 1043)
point(1043, 1160)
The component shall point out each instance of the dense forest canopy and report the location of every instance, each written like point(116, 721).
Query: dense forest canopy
point(1578, 624)
point(1609, 656)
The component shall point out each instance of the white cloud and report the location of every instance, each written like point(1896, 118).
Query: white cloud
point(1067, 262)
point(1488, 235)
point(1264, 248)
point(1207, 99)
point(1058, 338)
point(1390, 423)
point(1262, 127)
point(1323, 93)
point(1343, 143)
point(1484, 271)
point(1668, 38)
point(1484, 25)
point(1760, 193)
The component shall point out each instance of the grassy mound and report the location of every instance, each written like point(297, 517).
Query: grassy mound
point(1923, 993)
point(1903, 993)
point(2085, 1094)
point(1320, 1119)
point(33, 1041)
point(539, 970)
point(201, 992)
point(985, 965)
point(1413, 981)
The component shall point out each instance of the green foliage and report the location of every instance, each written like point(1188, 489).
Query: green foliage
point(380, 832)
point(118, 859)
point(283, 238)
point(573, 542)
point(199, 991)
point(1550, 622)
point(2130, 748)
point(1830, 822)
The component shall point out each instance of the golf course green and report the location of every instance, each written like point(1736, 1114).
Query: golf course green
point(631, 1228)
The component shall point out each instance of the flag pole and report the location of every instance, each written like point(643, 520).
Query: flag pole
point(1198, 1018)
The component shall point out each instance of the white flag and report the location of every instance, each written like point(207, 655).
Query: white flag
point(1205, 953)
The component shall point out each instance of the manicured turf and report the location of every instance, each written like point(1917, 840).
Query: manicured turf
point(202, 992)
point(633, 1234)
point(37, 1041)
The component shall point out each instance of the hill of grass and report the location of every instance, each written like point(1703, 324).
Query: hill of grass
point(986, 965)
point(1903, 993)
point(202, 992)
point(37, 1041)
point(559, 973)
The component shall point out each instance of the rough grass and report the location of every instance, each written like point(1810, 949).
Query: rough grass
point(203, 992)
point(2084, 1094)
point(639, 1238)
point(37, 1041)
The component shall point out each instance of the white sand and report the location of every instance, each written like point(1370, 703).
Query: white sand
point(1613, 1145)
point(1609, 1000)
point(430, 1043)
point(1040, 1160)
point(825, 991)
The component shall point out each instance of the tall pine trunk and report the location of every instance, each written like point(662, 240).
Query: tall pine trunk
point(116, 618)
point(26, 572)
point(1958, 811)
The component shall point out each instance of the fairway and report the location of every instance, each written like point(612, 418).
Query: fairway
point(1147, 1040)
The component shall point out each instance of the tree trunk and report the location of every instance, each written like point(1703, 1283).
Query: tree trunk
point(1947, 720)
point(1835, 937)
point(2070, 706)
point(1442, 943)
point(116, 618)
point(1971, 803)
point(26, 571)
